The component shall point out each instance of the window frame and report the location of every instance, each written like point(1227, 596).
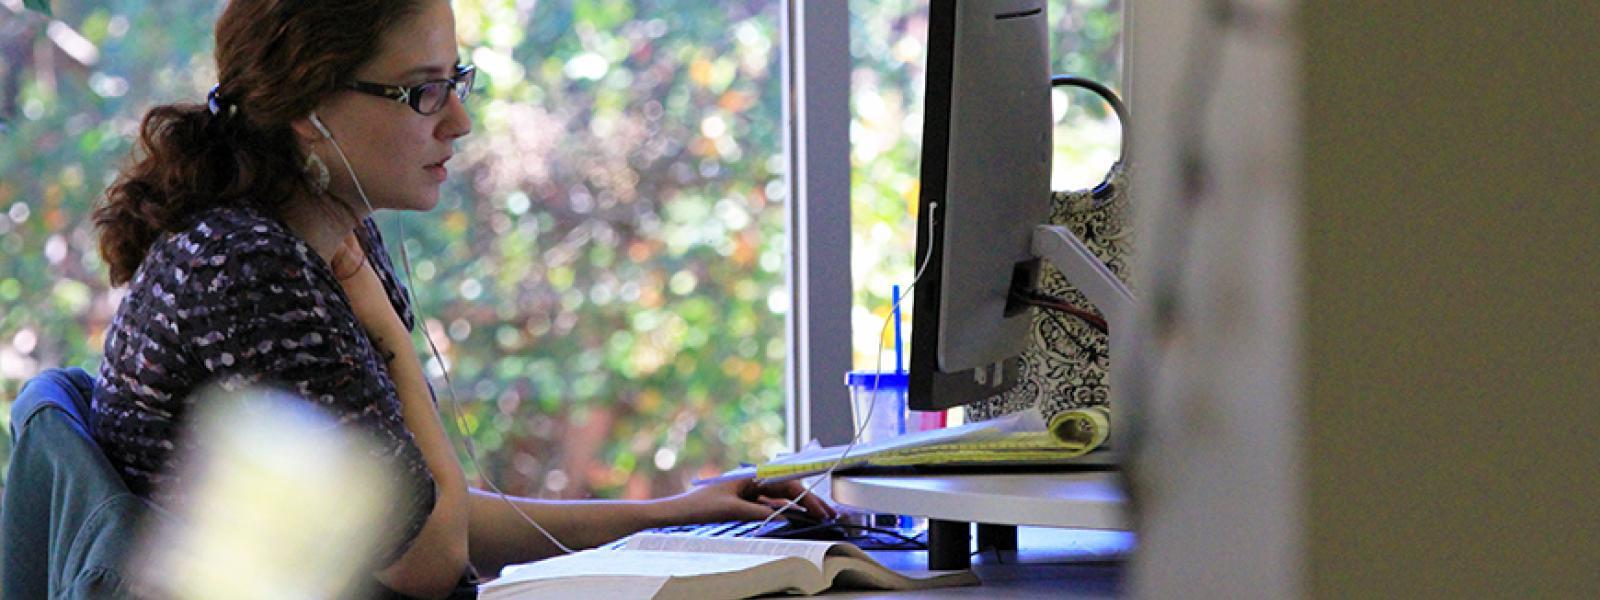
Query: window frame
point(816, 114)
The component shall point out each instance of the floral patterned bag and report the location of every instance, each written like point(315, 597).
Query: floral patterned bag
point(1065, 366)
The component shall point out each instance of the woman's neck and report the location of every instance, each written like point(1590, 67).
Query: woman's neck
point(322, 222)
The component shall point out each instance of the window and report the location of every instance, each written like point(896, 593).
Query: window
point(604, 275)
point(609, 269)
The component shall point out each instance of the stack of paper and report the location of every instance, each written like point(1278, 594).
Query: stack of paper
point(1018, 438)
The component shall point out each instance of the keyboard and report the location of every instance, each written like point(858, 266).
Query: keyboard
point(867, 538)
point(728, 529)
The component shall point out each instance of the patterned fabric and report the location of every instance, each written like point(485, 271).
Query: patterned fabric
point(1065, 367)
point(238, 300)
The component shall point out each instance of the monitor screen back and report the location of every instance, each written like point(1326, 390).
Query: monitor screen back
point(985, 185)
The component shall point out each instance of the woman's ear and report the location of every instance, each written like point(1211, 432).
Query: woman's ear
point(305, 130)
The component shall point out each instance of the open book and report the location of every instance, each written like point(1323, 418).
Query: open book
point(663, 566)
point(1021, 437)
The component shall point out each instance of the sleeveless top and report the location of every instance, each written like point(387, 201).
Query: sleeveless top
point(239, 300)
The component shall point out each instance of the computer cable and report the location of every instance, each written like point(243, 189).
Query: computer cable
point(1103, 192)
point(903, 541)
point(1041, 300)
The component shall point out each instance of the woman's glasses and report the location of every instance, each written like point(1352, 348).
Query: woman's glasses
point(427, 97)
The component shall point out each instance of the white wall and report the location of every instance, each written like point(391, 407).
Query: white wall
point(1218, 474)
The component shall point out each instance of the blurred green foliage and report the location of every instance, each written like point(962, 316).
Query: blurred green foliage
point(604, 276)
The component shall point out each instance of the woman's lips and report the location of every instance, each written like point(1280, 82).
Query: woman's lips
point(438, 171)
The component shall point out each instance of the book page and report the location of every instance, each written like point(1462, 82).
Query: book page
point(625, 570)
point(833, 559)
point(575, 587)
point(846, 572)
point(810, 550)
point(655, 565)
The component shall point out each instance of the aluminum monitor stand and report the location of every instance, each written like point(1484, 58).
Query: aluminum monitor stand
point(1092, 500)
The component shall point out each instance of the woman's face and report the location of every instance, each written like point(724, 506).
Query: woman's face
point(398, 154)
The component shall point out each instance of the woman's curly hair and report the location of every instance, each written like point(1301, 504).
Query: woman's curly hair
point(276, 60)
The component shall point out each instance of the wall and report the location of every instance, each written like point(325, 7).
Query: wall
point(1372, 362)
point(1452, 208)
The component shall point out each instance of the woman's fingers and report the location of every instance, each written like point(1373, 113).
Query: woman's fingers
point(765, 498)
point(813, 504)
point(348, 259)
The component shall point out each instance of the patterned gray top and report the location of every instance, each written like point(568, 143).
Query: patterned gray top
point(237, 299)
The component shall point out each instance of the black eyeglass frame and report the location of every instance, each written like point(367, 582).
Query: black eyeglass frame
point(460, 85)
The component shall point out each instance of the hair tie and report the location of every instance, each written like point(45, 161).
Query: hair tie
point(217, 103)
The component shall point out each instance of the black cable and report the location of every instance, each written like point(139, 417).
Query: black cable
point(1094, 321)
point(908, 542)
point(1104, 92)
point(1102, 192)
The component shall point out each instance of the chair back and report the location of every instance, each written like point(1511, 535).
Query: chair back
point(68, 520)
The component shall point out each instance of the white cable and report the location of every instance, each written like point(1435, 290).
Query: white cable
point(455, 409)
point(877, 374)
point(416, 309)
point(456, 405)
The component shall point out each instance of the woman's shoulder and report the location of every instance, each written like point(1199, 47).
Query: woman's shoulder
point(230, 237)
point(223, 250)
point(239, 230)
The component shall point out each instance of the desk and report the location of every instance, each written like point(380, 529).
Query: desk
point(1049, 563)
point(1088, 500)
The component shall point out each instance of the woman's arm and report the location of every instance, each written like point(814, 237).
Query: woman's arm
point(500, 536)
point(498, 531)
point(438, 556)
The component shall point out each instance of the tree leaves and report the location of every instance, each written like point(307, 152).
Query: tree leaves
point(604, 270)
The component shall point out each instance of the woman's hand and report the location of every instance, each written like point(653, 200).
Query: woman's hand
point(742, 500)
point(368, 300)
point(348, 258)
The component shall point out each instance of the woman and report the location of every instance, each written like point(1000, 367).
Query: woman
point(243, 234)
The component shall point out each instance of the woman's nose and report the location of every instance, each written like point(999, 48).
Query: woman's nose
point(457, 122)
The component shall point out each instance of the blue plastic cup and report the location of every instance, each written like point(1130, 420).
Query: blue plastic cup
point(882, 394)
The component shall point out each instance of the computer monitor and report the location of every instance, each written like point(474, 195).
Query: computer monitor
point(986, 146)
point(985, 199)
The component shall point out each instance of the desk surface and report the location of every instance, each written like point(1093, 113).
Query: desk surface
point(1085, 500)
point(1050, 563)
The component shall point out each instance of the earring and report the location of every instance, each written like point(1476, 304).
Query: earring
point(317, 173)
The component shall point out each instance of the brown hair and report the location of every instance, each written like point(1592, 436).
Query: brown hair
point(276, 60)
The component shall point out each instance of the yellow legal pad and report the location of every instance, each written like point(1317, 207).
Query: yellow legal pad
point(1068, 434)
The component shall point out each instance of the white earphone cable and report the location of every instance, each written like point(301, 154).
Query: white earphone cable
point(877, 374)
point(455, 403)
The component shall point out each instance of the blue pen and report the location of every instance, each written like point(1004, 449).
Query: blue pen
point(899, 356)
point(899, 352)
point(903, 521)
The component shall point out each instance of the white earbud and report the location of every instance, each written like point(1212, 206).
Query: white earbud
point(322, 129)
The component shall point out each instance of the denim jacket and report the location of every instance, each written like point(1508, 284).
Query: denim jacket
point(68, 522)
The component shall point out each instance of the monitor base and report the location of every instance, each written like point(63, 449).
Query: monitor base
point(1091, 500)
